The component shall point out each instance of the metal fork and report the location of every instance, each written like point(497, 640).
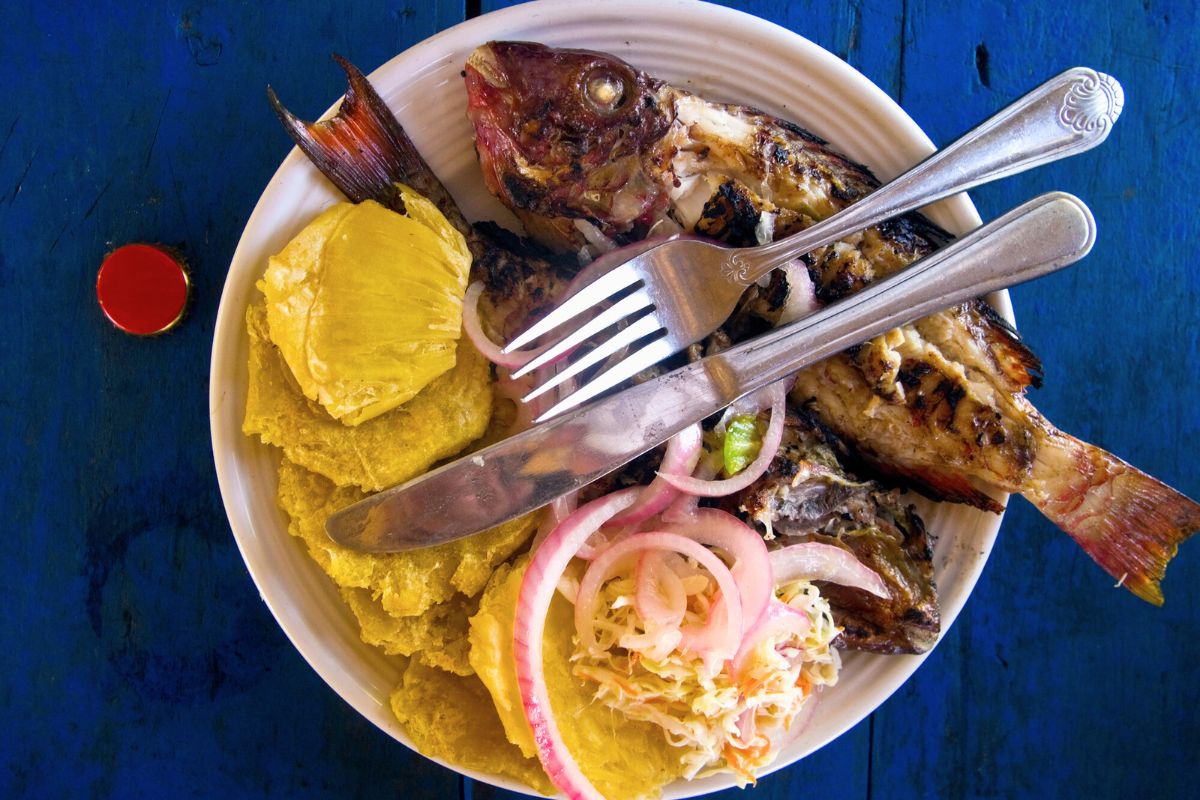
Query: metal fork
point(676, 291)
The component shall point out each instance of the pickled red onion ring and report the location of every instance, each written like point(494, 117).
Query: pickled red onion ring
point(752, 403)
point(783, 735)
point(751, 568)
point(683, 507)
point(602, 539)
point(489, 349)
point(722, 635)
point(558, 510)
point(779, 618)
point(755, 469)
point(656, 645)
point(801, 721)
point(659, 596)
point(533, 603)
point(825, 562)
point(682, 454)
point(747, 726)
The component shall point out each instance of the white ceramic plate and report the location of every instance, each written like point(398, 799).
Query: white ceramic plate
point(717, 52)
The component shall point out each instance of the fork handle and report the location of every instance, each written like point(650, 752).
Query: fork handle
point(1068, 114)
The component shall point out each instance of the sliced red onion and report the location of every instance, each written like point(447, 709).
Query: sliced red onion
point(778, 619)
point(659, 597)
point(563, 507)
point(683, 507)
point(755, 469)
point(709, 641)
point(721, 635)
point(656, 645)
point(783, 736)
point(688, 574)
point(559, 509)
point(603, 538)
point(755, 402)
point(533, 603)
point(802, 295)
point(682, 454)
point(816, 561)
point(747, 726)
point(802, 720)
point(751, 568)
point(474, 331)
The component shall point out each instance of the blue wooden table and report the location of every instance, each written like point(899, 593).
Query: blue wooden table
point(136, 657)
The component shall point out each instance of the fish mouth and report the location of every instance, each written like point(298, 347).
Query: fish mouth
point(485, 63)
point(495, 106)
point(489, 107)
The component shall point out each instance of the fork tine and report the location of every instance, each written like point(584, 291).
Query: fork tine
point(602, 288)
point(643, 327)
point(610, 316)
point(648, 356)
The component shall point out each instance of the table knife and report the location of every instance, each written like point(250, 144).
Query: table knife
point(528, 470)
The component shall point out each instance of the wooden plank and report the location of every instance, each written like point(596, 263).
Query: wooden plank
point(838, 770)
point(136, 655)
point(135, 651)
point(1019, 701)
point(852, 30)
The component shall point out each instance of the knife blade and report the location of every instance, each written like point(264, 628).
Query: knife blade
point(527, 471)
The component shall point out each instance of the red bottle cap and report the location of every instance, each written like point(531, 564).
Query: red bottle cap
point(143, 289)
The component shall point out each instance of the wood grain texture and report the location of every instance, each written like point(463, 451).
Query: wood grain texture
point(1042, 649)
point(137, 660)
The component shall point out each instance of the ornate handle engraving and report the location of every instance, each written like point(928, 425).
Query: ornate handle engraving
point(1092, 103)
point(737, 268)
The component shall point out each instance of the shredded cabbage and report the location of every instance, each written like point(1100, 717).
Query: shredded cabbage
point(723, 722)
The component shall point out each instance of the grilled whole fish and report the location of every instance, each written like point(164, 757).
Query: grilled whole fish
point(364, 151)
point(579, 143)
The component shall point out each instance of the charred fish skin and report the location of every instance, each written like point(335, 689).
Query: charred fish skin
point(364, 151)
point(807, 495)
point(938, 405)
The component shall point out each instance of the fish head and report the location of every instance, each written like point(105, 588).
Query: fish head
point(564, 133)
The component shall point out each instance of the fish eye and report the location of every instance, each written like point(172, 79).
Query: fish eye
point(605, 90)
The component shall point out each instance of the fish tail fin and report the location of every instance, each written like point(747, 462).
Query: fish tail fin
point(364, 151)
point(1129, 523)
